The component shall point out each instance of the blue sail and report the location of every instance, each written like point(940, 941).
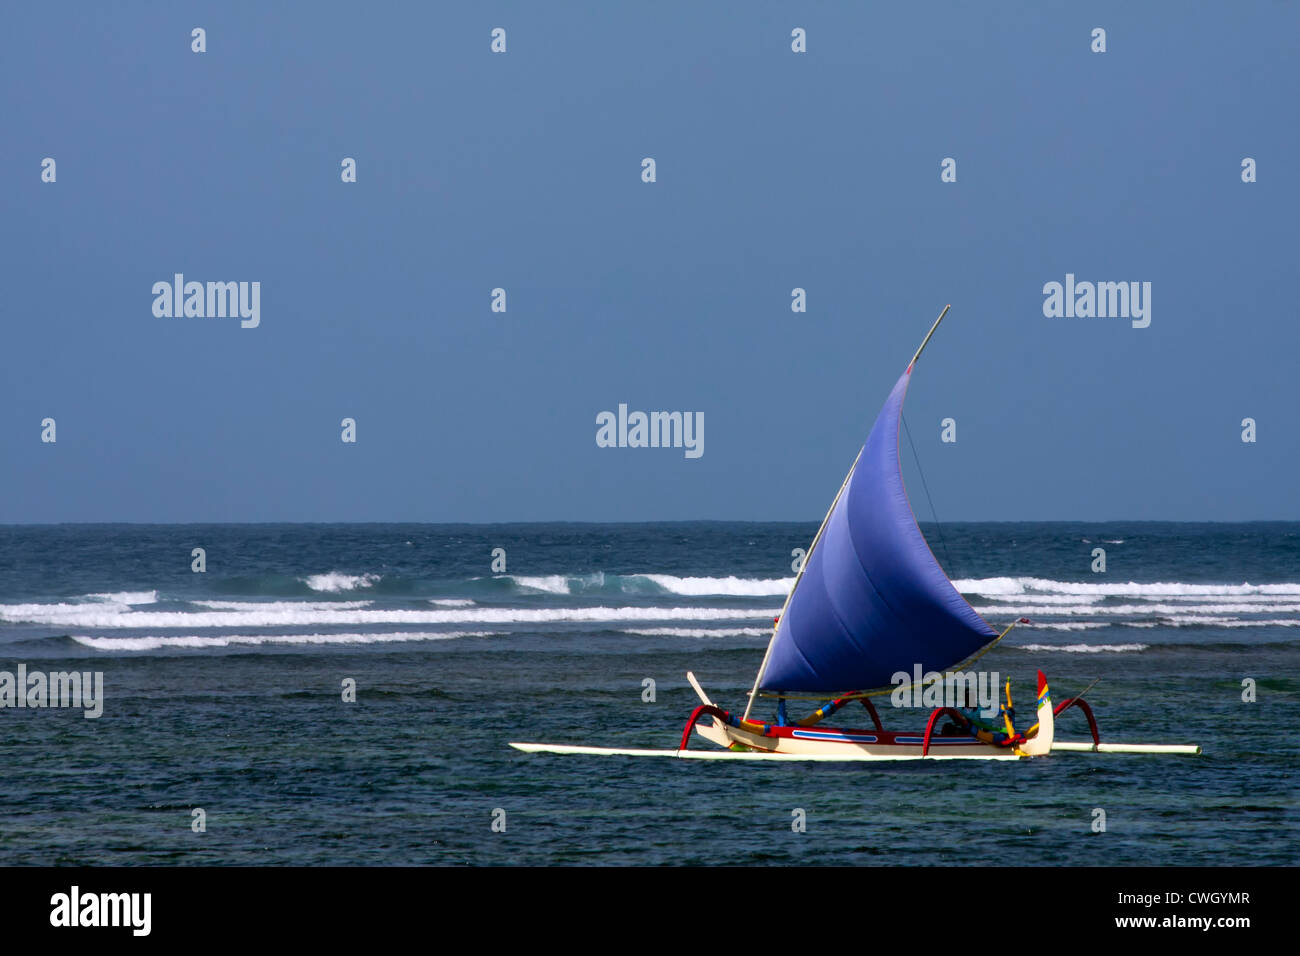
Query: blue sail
point(872, 599)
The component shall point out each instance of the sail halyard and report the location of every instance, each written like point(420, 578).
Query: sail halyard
point(903, 482)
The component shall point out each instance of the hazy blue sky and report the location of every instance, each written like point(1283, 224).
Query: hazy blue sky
point(523, 171)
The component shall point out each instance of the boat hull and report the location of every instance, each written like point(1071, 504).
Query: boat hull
point(747, 755)
point(866, 744)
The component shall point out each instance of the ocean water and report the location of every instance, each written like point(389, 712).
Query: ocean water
point(223, 691)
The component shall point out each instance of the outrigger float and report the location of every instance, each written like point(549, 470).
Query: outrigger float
point(871, 601)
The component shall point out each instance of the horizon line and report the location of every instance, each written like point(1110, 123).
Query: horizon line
point(664, 521)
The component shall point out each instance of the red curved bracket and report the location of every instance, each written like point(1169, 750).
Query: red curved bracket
point(703, 710)
point(929, 727)
point(875, 717)
point(1087, 712)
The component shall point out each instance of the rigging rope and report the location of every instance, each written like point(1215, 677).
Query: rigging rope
point(951, 571)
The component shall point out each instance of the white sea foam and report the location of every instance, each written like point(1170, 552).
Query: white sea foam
point(1061, 606)
point(262, 606)
point(669, 583)
point(1066, 625)
point(709, 587)
point(1241, 599)
point(1007, 587)
point(42, 613)
point(125, 597)
point(1140, 609)
point(1042, 602)
point(702, 631)
point(201, 642)
point(550, 583)
point(338, 581)
point(1085, 648)
point(1197, 620)
point(107, 616)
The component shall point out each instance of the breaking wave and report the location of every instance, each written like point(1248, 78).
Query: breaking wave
point(336, 581)
point(125, 597)
point(340, 608)
point(651, 584)
point(207, 642)
point(289, 614)
point(1085, 648)
point(1066, 625)
point(701, 631)
point(1000, 587)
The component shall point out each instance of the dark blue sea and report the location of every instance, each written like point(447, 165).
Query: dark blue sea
point(223, 691)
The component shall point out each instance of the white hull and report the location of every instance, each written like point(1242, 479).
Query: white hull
point(855, 756)
point(876, 744)
point(832, 746)
point(741, 754)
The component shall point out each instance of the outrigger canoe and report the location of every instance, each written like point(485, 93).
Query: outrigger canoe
point(869, 602)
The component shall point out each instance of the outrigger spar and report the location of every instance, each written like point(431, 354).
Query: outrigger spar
point(868, 602)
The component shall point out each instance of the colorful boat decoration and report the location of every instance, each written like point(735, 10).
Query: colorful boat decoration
point(871, 601)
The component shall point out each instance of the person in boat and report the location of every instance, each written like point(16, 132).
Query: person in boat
point(962, 726)
point(955, 727)
point(950, 729)
point(993, 731)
